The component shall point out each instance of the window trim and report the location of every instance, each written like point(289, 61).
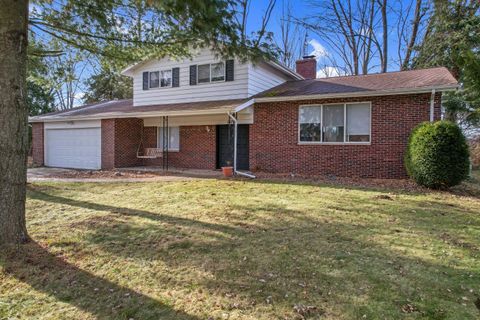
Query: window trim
point(160, 79)
point(299, 142)
point(210, 73)
point(158, 139)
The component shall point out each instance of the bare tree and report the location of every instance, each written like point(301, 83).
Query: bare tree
point(293, 38)
point(408, 30)
point(243, 9)
point(349, 29)
point(357, 32)
point(383, 52)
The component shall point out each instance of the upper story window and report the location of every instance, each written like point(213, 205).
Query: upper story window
point(211, 72)
point(154, 79)
point(160, 79)
point(335, 123)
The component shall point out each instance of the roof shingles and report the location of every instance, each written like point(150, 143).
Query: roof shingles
point(439, 78)
point(414, 79)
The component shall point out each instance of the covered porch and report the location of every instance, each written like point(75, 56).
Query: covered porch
point(198, 135)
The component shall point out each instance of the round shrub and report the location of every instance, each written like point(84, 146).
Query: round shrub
point(437, 155)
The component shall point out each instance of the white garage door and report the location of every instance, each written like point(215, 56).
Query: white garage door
point(73, 148)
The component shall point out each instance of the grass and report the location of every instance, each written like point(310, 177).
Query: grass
point(225, 249)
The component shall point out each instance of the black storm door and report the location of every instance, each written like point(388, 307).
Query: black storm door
point(225, 140)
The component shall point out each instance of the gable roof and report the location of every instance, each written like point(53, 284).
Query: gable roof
point(423, 80)
point(125, 109)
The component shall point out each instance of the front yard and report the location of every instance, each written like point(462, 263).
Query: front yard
point(230, 249)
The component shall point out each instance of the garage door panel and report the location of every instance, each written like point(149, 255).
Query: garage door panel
point(73, 148)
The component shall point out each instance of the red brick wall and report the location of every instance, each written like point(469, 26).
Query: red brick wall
point(127, 139)
point(274, 139)
point(37, 144)
point(108, 143)
point(197, 147)
point(120, 139)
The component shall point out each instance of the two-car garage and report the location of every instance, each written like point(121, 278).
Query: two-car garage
point(73, 145)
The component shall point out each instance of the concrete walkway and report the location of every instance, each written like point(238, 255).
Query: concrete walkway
point(121, 175)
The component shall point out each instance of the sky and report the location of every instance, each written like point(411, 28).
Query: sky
point(316, 45)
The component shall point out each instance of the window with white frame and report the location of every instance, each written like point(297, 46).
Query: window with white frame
point(335, 123)
point(166, 78)
point(173, 138)
point(160, 79)
point(154, 79)
point(217, 71)
point(211, 72)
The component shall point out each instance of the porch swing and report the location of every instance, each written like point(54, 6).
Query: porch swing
point(147, 153)
point(153, 153)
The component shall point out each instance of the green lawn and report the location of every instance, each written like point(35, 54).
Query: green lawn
point(226, 249)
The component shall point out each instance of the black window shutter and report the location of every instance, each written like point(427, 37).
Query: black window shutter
point(229, 70)
point(176, 77)
point(193, 75)
point(145, 80)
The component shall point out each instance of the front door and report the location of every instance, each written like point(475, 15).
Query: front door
point(225, 146)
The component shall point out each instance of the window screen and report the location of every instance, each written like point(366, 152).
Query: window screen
point(166, 79)
point(154, 79)
point(358, 122)
point(203, 73)
point(333, 123)
point(173, 138)
point(310, 123)
point(218, 71)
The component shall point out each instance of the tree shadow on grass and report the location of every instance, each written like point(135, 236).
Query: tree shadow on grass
point(158, 217)
point(293, 253)
point(51, 274)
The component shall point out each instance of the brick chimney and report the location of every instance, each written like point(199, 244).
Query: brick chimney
point(307, 67)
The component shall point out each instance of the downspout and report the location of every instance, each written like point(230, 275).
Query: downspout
point(432, 106)
point(235, 123)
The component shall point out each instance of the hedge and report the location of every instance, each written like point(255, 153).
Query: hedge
point(437, 155)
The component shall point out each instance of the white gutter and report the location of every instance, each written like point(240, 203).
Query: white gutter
point(432, 106)
point(356, 94)
point(235, 122)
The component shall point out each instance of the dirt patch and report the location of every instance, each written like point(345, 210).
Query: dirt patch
point(400, 184)
point(101, 174)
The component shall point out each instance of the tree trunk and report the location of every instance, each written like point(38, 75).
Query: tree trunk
point(385, 36)
point(13, 120)
point(413, 37)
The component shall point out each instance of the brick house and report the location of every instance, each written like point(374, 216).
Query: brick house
point(205, 113)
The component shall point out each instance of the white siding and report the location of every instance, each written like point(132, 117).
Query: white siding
point(249, 80)
point(262, 77)
point(236, 89)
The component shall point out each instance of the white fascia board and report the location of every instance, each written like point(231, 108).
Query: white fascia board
point(128, 71)
point(285, 69)
point(244, 105)
point(118, 115)
point(357, 94)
